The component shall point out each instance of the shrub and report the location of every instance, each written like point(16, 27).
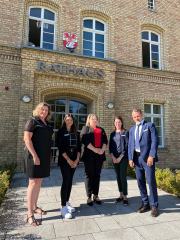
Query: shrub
point(6, 173)
point(131, 172)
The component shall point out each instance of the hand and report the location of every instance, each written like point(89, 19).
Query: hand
point(114, 160)
point(75, 163)
point(100, 151)
point(96, 150)
point(131, 163)
point(150, 161)
point(119, 159)
point(70, 162)
point(51, 159)
point(36, 160)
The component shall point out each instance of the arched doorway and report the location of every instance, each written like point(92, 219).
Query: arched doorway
point(62, 106)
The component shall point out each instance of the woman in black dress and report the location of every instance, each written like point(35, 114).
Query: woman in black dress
point(94, 141)
point(69, 152)
point(37, 156)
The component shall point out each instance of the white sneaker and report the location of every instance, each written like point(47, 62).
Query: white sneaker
point(65, 213)
point(70, 208)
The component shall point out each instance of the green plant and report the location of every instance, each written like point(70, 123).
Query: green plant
point(131, 172)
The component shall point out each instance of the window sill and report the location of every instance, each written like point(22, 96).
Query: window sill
point(161, 149)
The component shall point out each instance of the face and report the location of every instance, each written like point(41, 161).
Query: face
point(93, 121)
point(137, 117)
point(43, 112)
point(69, 122)
point(118, 123)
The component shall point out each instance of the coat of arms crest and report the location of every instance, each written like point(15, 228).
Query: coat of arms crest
point(70, 40)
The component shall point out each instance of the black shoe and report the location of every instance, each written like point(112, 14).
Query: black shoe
point(90, 204)
point(125, 202)
point(96, 199)
point(118, 200)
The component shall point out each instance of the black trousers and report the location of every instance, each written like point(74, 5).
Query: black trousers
point(67, 174)
point(92, 175)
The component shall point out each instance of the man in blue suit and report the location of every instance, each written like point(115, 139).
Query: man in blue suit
point(142, 153)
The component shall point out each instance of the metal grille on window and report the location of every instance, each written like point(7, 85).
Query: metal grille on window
point(151, 4)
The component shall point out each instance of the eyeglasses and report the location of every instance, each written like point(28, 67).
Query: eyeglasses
point(69, 120)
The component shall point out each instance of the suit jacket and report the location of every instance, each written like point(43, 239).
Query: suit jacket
point(148, 141)
point(124, 139)
point(87, 135)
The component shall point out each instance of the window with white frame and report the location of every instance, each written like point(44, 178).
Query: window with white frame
point(154, 113)
point(41, 31)
point(151, 4)
point(94, 35)
point(151, 50)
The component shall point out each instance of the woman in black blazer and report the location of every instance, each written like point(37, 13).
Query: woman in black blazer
point(118, 148)
point(94, 142)
point(69, 152)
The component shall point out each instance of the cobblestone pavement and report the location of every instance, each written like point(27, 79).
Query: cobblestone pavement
point(108, 221)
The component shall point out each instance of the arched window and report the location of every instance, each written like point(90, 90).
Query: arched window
point(151, 50)
point(94, 35)
point(151, 4)
point(41, 29)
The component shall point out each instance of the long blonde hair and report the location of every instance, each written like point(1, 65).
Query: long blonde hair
point(89, 117)
point(39, 107)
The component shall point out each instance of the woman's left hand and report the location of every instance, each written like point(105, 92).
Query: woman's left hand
point(75, 163)
point(100, 151)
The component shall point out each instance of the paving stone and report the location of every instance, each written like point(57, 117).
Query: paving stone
point(122, 234)
point(107, 223)
point(168, 230)
point(82, 237)
point(75, 228)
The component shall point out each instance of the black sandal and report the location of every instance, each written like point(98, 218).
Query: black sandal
point(96, 199)
point(42, 211)
point(33, 221)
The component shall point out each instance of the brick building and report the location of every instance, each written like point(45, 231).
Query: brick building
point(127, 54)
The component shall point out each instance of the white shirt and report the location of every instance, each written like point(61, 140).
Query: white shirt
point(140, 129)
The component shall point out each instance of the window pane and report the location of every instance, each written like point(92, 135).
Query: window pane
point(160, 140)
point(156, 109)
point(52, 119)
point(154, 48)
point(147, 108)
point(73, 103)
point(76, 119)
point(159, 130)
point(49, 15)
point(155, 64)
point(87, 45)
point(52, 124)
point(146, 54)
point(73, 109)
point(81, 126)
point(147, 119)
point(34, 33)
point(60, 102)
point(155, 56)
point(51, 101)
point(58, 120)
point(60, 108)
point(52, 108)
point(82, 110)
point(87, 36)
point(86, 52)
point(35, 12)
point(99, 38)
point(82, 104)
point(47, 46)
point(154, 37)
point(48, 37)
point(99, 47)
point(99, 26)
point(157, 122)
point(88, 24)
point(145, 35)
point(99, 54)
point(48, 28)
point(82, 119)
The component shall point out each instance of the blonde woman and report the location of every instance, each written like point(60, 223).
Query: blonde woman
point(37, 156)
point(94, 142)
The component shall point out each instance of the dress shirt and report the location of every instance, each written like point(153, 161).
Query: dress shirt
point(140, 129)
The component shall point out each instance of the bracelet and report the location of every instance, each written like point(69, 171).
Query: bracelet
point(77, 158)
point(68, 159)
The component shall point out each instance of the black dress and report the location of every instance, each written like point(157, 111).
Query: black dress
point(41, 139)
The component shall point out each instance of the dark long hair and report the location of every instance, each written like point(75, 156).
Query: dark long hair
point(73, 126)
point(122, 126)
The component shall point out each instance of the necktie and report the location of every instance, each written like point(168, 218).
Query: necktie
point(137, 138)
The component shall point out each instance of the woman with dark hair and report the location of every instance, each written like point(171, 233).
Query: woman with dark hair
point(118, 148)
point(69, 152)
point(93, 154)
